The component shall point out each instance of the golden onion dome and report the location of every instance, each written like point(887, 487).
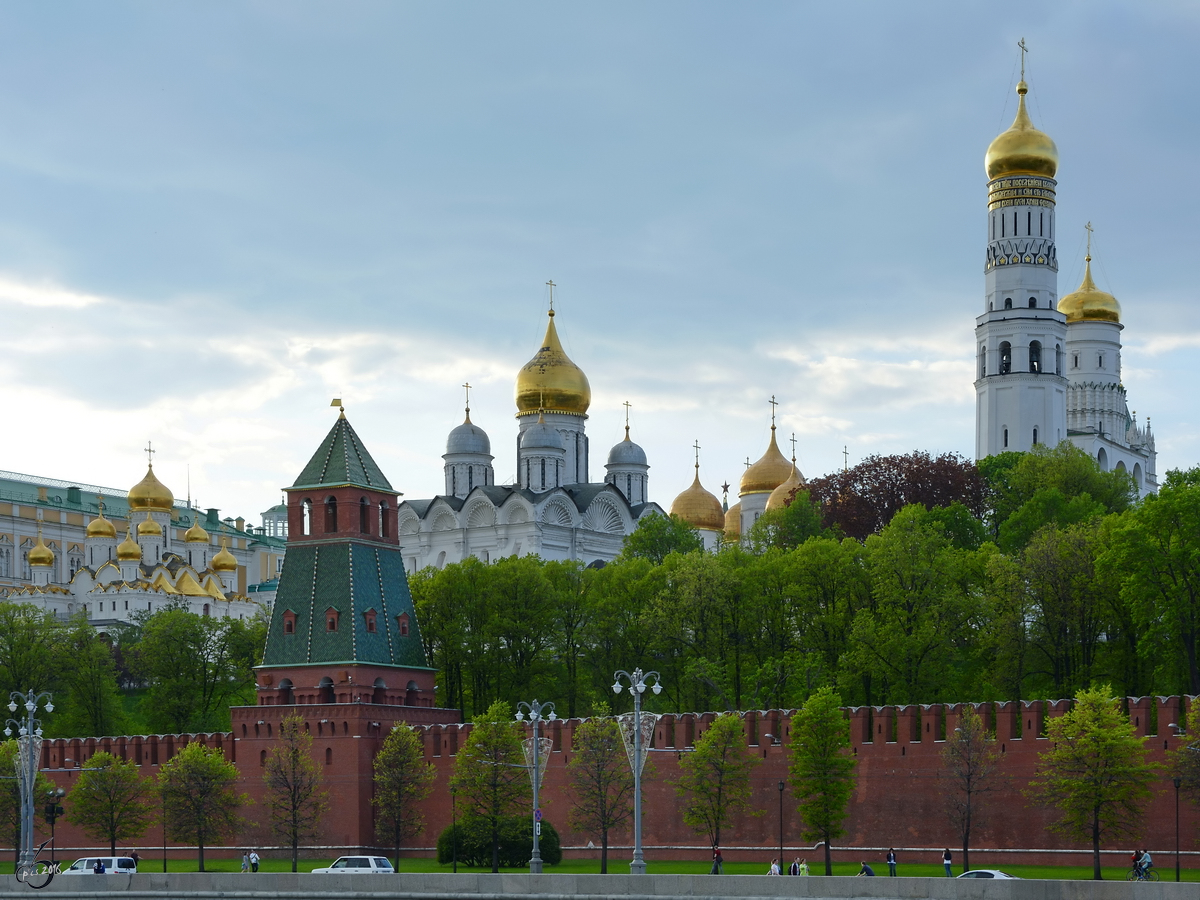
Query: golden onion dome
point(733, 522)
point(196, 534)
point(550, 381)
point(698, 507)
point(41, 555)
point(224, 561)
point(782, 495)
point(149, 527)
point(1022, 150)
point(150, 493)
point(1089, 303)
point(100, 527)
point(768, 473)
point(128, 549)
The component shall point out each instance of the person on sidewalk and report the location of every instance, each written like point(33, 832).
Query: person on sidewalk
point(774, 870)
point(253, 860)
point(946, 861)
point(866, 870)
point(891, 861)
point(794, 868)
point(137, 860)
point(245, 862)
point(718, 867)
point(803, 867)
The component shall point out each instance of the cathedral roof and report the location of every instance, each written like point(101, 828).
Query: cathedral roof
point(1088, 302)
point(768, 473)
point(627, 453)
point(698, 507)
point(468, 438)
point(1022, 150)
point(342, 459)
point(550, 381)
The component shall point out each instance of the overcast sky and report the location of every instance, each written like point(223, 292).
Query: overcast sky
point(216, 217)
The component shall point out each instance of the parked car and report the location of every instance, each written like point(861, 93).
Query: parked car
point(358, 865)
point(113, 865)
point(986, 873)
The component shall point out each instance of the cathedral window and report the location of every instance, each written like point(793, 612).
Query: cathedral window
point(1058, 359)
point(1008, 302)
point(1035, 357)
point(1005, 358)
point(1101, 359)
point(1035, 437)
point(543, 474)
point(364, 516)
point(1075, 363)
point(1002, 234)
point(1005, 437)
point(982, 360)
point(330, 515)
point(1041, 224)
point(1029, 222)
point(470, 479)
point(1033, 302)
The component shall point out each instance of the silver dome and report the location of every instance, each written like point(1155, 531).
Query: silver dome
point(541, 436)
point(627, 453)
point(468, 438)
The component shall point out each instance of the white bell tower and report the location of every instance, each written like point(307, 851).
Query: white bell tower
point(1020, 386)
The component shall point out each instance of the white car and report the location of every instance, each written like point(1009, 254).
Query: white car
point(113, 865)
point(358, 865)
point(986, 873)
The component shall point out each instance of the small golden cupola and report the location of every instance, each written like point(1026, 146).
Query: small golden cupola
point(101, 527)
point(1088, 303)
point(149, 528)
point(224, 561)
point(129, 550)
point(768, 473)
point(40, 554)
point(782, 495)
point(196, 534)
point(733, 522)
point(1022, 150)
point(698, 507)
point(550, 382)
point(150, 493)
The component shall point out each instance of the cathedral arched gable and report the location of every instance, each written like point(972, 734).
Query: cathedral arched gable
point(607, 516)
point(479, 513)
point(558, 510)
point(443, 520)
point(516, 511)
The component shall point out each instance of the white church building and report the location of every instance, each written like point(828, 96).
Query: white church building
point(1047, 369)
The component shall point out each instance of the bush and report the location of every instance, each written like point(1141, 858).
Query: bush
point(474, 840)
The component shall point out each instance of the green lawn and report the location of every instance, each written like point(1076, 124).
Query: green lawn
point(619, 864)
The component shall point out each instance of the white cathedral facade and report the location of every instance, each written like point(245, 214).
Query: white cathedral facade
point(1047, 369)
point(554, 510)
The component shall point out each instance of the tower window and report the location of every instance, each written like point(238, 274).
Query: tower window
point(1033, 302)
point(364, 516)
point(1008, 302)
point(1058, 359)
point(1035, 437)
point(1041, 224)
point(385, 527)
point(369, 619)
point(1035, 358)
point(1005, 437)
point(330, 515)
point(982, 360)
point(1075, 364)
point(1002, 226)
point(1101, 359)
point(543, 473)
point(1005, 358)
point(1029, 230)
point(470, 479)
point(331, 619)
point(402, 624)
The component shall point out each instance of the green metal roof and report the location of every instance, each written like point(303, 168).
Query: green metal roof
point(342, 459)
point(352, 578)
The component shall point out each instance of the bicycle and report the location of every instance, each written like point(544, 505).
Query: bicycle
point(1137, 874)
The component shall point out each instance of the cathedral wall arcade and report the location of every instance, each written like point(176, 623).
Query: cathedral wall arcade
point(898, 800)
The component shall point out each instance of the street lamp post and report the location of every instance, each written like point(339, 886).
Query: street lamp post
point(535, 711)
point(638, 682)
point(29, 752)
point(454, 829)
point(781, 787)
point(1177, 781)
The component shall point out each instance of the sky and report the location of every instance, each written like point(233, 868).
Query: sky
point(215, 218)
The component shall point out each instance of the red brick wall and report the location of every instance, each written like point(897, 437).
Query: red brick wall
point(898, 800)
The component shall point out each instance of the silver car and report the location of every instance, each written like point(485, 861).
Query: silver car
point(358, 865)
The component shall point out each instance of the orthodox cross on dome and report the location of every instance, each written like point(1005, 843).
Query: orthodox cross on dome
point(696, 447)
point(467, 386)
point(747, 462)
point(1089, 229)
point(793, 448)
point(552, 286)
point(1024, 50)
point(100, 500)
point(150, 451)
point(845, 458)
point(626, 404)
point(774, 403)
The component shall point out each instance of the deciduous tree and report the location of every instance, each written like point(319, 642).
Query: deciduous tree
point(402, 780)
point(970, 762)
point(200, 799)
point(91, 705)
point(490, 773)
point(658, 536)
point(821, 768)
point(111, 801)
point(294, 799)
point(601, 781)
point(1095, 774)
point(714, 779)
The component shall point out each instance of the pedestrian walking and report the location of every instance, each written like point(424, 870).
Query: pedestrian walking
point(254, 860)
point(718, 867)
point(804, 867)
point(245, 862)
point(136, 859)
point(794, 868)
point(774, 870)
point(946, 861)
point(891, 861)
